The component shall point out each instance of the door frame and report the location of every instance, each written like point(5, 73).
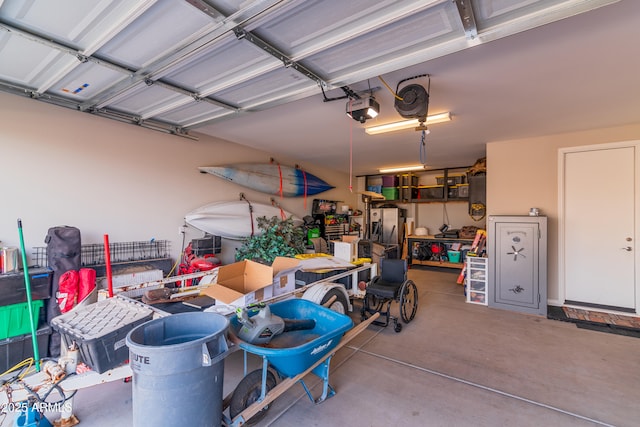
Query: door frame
point(562, 152)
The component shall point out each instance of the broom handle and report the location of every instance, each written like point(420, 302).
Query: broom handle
point(107, 263)
point(27, 281)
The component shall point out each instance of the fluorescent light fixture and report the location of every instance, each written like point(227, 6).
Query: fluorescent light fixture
point(403, 169)
point(408, 124)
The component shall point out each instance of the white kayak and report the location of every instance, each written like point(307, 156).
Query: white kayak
point(233, 219)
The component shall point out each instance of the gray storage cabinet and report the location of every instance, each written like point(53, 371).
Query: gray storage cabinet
point(518, 263)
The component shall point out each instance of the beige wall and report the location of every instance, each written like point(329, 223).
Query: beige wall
point(433, 215)
point(63, 167)
point(524, 173)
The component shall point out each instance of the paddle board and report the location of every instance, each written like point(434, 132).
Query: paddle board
point(270, 178)
point(233, 219)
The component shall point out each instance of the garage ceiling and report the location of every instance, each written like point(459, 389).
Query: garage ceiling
point(254, 72)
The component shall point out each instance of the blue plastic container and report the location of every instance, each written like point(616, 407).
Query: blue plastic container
point(309, 346)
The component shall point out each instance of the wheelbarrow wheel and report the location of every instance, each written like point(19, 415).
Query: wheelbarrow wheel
point(247, 392)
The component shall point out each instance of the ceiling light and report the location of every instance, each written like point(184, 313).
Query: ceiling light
point(408, 124)
point(363, 109)
point(403, 169)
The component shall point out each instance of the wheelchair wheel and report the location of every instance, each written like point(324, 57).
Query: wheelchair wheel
point(408, 301)
point(247, 392)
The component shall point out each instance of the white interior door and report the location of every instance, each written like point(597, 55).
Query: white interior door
point(599, 227)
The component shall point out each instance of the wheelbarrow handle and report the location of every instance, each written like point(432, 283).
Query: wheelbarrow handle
point(330, 301)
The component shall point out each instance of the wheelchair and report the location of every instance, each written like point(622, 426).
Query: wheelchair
point(389, 286)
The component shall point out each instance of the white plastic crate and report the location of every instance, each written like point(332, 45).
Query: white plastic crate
point(476, 280)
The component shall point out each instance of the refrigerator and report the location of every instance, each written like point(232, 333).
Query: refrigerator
point(387, 225)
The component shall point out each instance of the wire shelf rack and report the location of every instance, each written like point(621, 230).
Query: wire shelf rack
point(93, 254)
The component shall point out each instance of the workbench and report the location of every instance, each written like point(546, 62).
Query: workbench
point(414, 243)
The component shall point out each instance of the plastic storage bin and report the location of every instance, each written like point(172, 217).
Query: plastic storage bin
point(431, 192)
point(390, 193)
point(14, 318)
point(408, 193)
point(390, 180)
point(452, 179)
point(454, 256)
point(463, 190)
point(16, 349)
point(100, 330)
point(13, 288)
point(452, 192)
point(408, 180)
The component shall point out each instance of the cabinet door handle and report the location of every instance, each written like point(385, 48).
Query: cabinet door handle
point(627, 248)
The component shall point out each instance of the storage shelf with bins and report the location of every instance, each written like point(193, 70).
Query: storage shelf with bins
point(433, 185)
point(476, 280)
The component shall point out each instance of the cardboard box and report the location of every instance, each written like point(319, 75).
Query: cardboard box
point(378, 252)
point(242, 283)
point(347, 248)
point(350, 239)
point(284, 275)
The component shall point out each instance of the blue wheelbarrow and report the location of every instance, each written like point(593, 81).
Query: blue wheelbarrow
point(288, 358)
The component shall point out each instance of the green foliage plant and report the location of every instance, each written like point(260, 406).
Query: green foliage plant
point(278, 238)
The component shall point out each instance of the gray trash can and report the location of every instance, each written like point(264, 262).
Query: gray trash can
point(178, 370)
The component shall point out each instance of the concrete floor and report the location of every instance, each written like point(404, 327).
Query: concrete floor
point(456, 364)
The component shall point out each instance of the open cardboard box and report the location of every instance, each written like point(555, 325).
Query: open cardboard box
point(242, 283)
point(245, 282)
point(284, 275)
